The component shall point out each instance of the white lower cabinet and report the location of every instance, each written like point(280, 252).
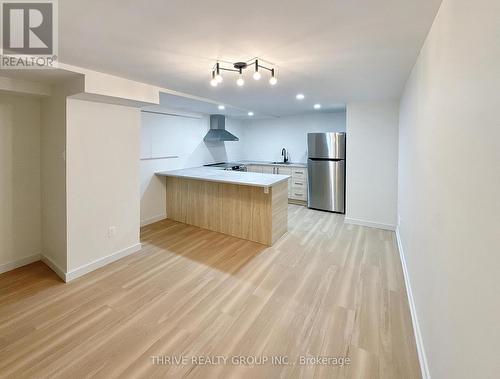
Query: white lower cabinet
point(286, 171)
point(268, 169)
point(297, 184)
point(299, 190)
point(254, 168)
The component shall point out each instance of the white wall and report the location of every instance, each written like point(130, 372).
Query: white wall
point(372, 164)
point(264, 139)
point(449, 189)
point(53, 189)
point(102, 181)
point(163, 135)
point(20, 214)
point(23, 87)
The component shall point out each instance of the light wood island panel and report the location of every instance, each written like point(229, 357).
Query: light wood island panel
point(257, 214)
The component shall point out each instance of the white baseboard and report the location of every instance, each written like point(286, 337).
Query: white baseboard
point(68, 276)
point(151, 220)
point(54, 267)
point(369, 224)
point(82, 270)
point(422, 357)
point(19, 262)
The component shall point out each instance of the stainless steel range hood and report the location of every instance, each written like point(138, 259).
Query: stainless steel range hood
point(218, 132)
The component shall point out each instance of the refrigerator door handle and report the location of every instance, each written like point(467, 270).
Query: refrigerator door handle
point(326, 159)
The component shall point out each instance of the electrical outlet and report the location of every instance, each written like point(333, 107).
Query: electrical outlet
point(111, 231)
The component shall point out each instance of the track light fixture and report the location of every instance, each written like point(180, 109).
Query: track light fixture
point(214, 81)
point(240, 81)
point(239, 67)
point(218, 76)
point(256, 74)
point(272, 79)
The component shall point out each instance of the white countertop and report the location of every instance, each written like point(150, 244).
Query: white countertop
point(288, 164)
point(232, 177)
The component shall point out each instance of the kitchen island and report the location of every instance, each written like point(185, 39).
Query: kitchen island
point(247, 205)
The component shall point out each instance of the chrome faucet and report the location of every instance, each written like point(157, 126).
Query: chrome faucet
point(285, 155)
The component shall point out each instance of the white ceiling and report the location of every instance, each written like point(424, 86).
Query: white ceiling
point(170, 102)
point(333, 51)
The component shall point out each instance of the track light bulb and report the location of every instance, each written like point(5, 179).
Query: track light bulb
point(240, 81)
point(219, 78)
point(257, 75)
point(214, 82)
point(273, 80)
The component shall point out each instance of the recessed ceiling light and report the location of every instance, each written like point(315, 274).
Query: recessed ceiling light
point(317, 106)
point(221, 107)
point(250, 114)
point(300, 96)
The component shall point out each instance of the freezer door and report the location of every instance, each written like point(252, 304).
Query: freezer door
point(326, 185)
point(326, 145)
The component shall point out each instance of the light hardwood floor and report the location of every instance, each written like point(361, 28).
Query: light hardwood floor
point(325, 289)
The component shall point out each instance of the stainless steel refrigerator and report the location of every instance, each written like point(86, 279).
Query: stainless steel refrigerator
point(326, 171)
